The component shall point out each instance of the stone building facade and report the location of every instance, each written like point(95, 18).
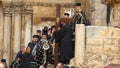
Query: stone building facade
point(19, 20)
point(96, 47)
point(102, 46)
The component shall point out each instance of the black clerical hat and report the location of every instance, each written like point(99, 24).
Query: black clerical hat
point(44, 32)
point(67, 14)
point(35, 36)
point(3, 60)
point(78, 4)
point(39, 31)
point(53, 26)
point(45, 28)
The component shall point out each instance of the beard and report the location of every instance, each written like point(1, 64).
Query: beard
point(34, 42)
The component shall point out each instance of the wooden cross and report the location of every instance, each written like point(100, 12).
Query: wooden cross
point(56, 19)
point(58, 9)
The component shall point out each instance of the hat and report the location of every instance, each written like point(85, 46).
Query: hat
point(67, 14)
point(53, 26)
point(78, 4)
point(44, 32)
point(45, 28)
point(39, 31)
point(35, 36)
point(3, 60)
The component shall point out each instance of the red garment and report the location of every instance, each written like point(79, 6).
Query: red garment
point(107, 67)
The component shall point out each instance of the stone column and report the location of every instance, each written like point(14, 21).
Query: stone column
point(79, 44)
point(17, 29)
point(28, 26)
point(99, 13)
point(114, 11)
point(7, 34)
point(115, 15)
point(1, 30)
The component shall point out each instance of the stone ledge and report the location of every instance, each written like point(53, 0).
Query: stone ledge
point(64, 3)
point(94, 41)
point(110, 1)
point(102, 32)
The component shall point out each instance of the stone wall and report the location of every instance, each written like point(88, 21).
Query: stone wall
point(102, 46)
point(110, 1)
point(49, 1)
point(98, 13)
point(114, 11)
point(115, 15)
point(43, 11)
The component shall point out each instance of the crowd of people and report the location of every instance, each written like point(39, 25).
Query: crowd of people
point(36, 50)
point(40, 51)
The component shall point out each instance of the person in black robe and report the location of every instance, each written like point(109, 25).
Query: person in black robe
point(44, 57)
point(33, 43)
point(80, 16)
point(66, 50)
point(21, 52)
point(51, 32)
point(17, 62)
point(64, 38)
point(27, 58)
point(39, 34)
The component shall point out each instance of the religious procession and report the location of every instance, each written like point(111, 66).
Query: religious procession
point(40, 52)
point(42, 34)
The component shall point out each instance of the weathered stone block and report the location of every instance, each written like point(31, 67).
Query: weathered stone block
point(94, 41)
point(99, 13)
point(94, 49)
point(111, 49)
point(94, 31)
point(116, 33)
point(111, 41)
point(107, 32)
point(115, 15)
point(102, 46)
point(102, 32)
point(110, 1)
point(115, 59)
point(93, 60)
